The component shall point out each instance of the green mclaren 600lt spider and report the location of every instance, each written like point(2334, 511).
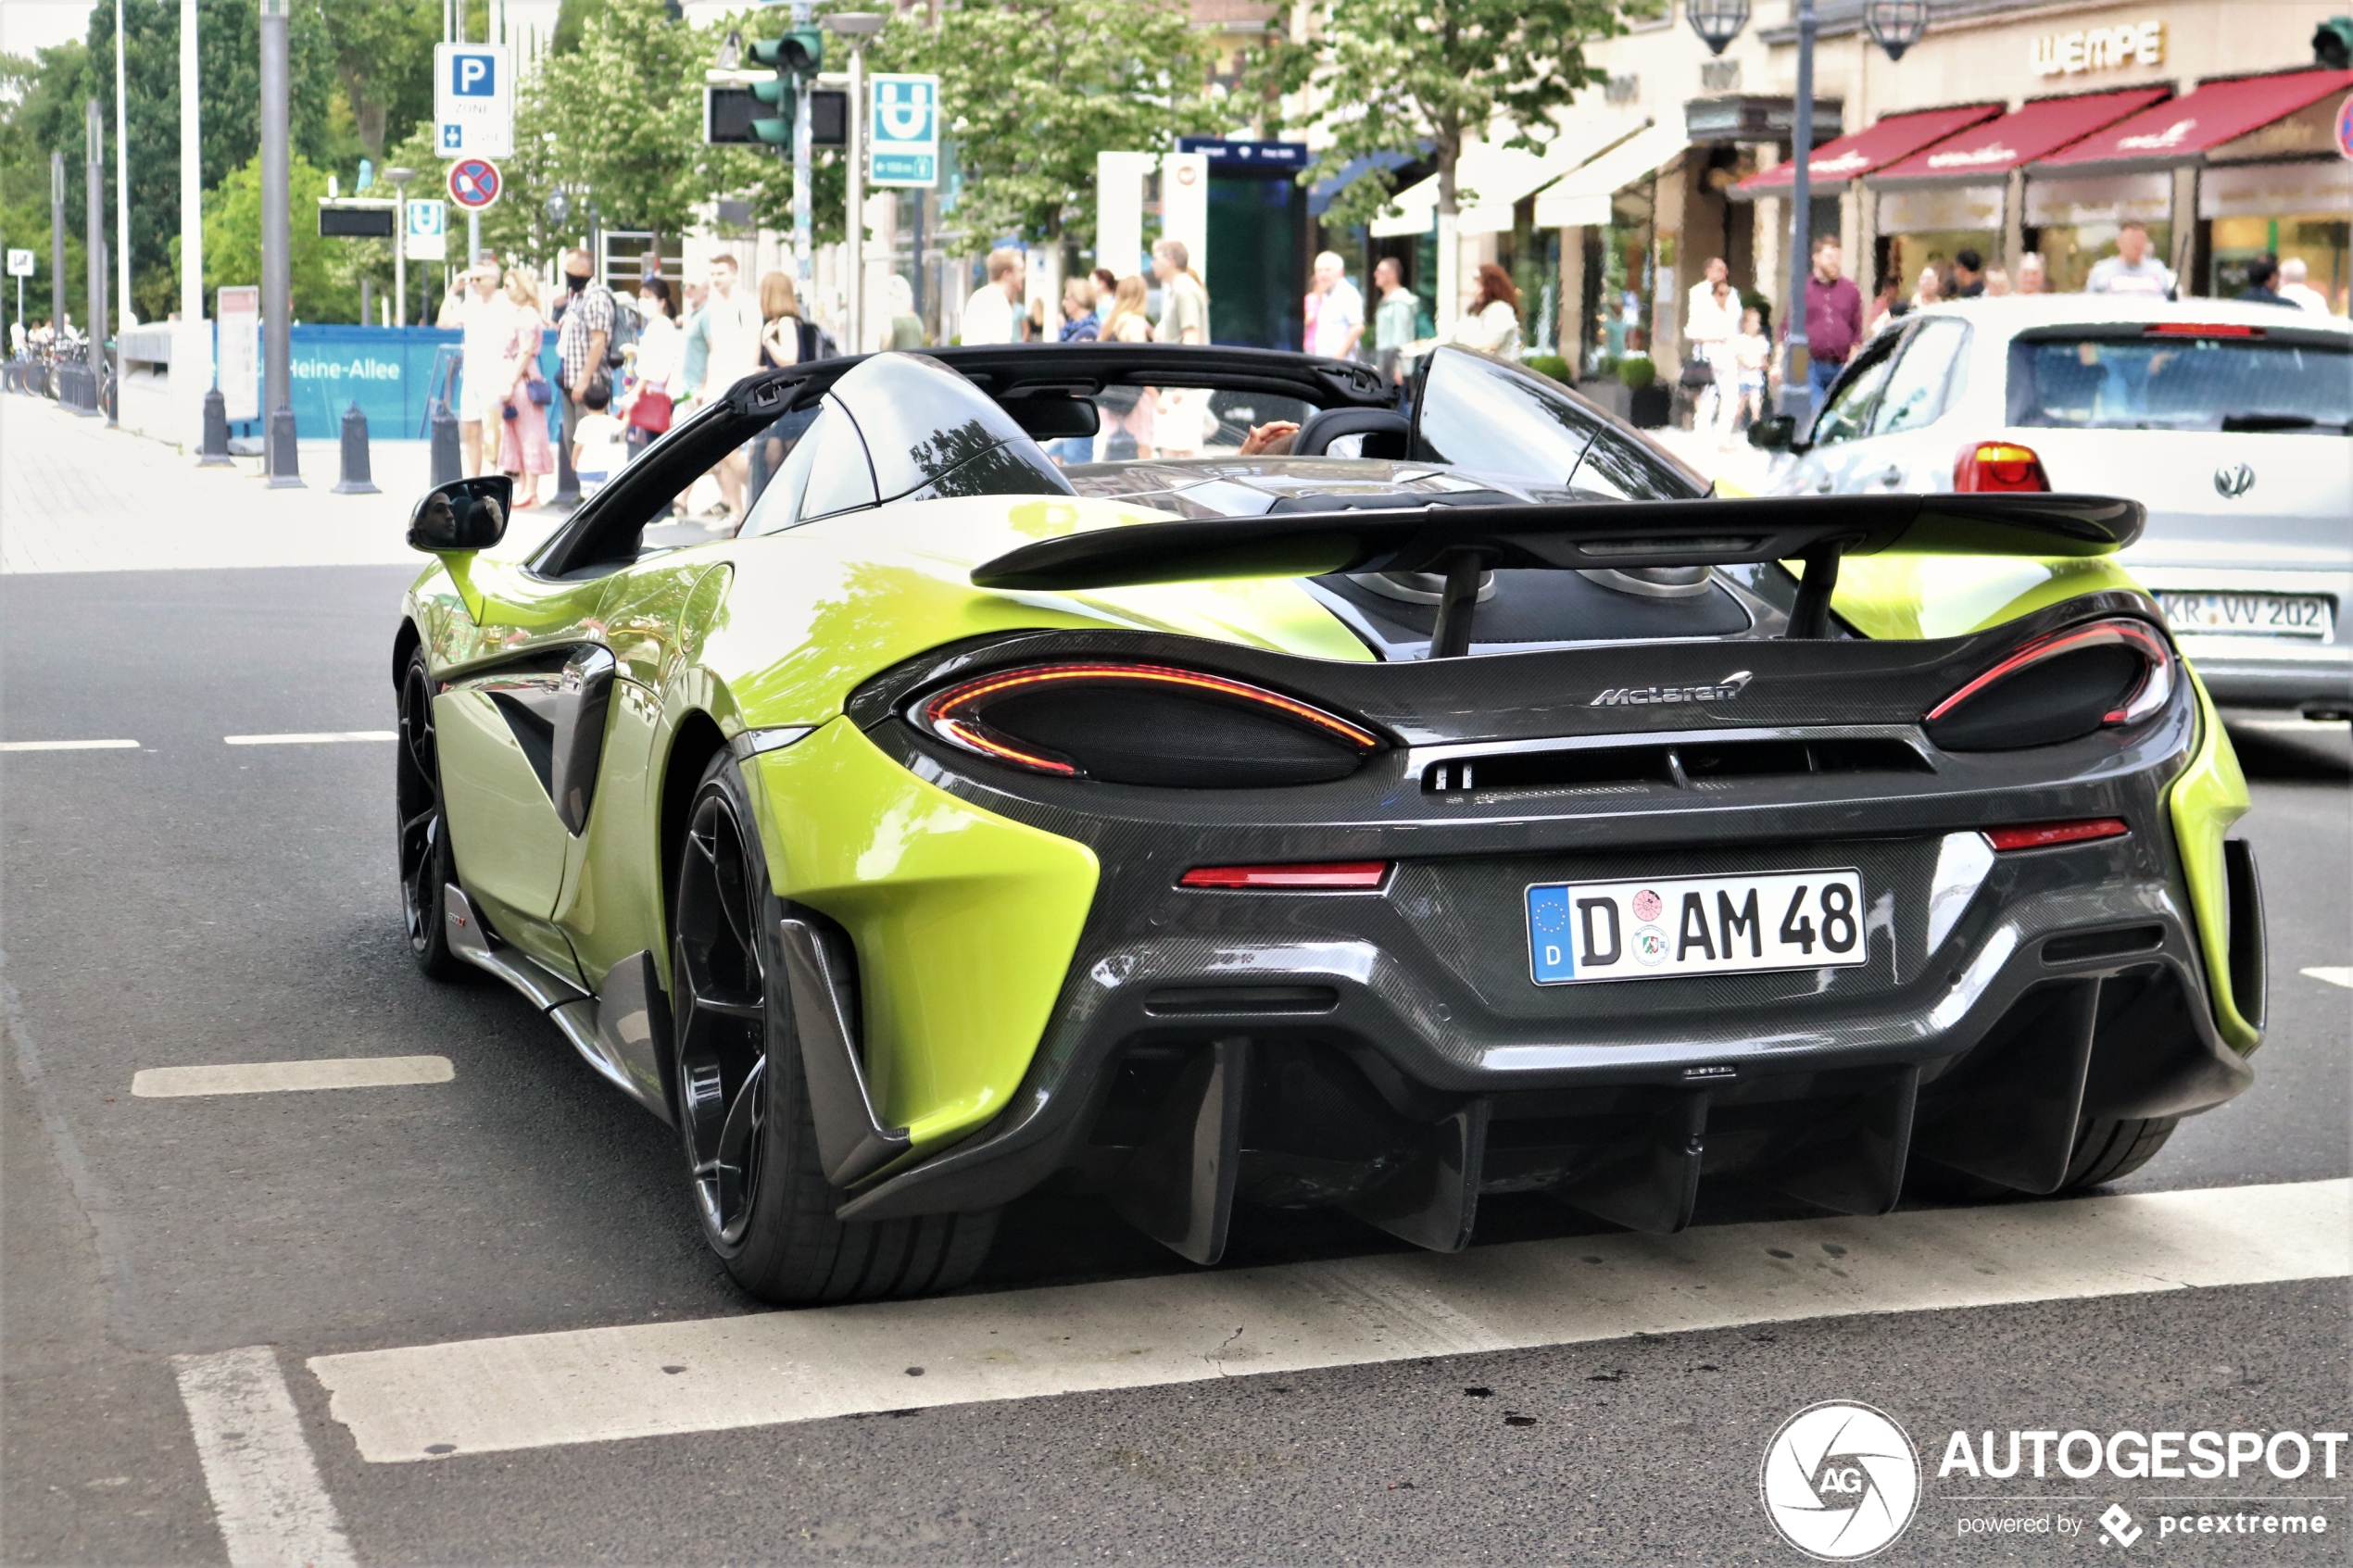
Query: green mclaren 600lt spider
point(1451, 796)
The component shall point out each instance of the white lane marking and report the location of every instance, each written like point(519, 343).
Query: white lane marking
point(2334, 976)
point(312, 738)
point(272, 1077)
point(272, 1509)
point(2286, 726)
point(68, 746)
point(599, 1384)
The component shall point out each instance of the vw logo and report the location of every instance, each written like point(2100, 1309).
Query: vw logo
point(1840, 1481)
point(2233, 479)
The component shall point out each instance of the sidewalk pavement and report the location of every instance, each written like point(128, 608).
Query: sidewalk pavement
point(76, 496)
point(1742, 468)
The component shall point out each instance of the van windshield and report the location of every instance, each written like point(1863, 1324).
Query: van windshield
point(2218, 384)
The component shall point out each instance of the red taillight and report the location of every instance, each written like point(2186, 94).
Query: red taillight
point(2042, 836)
point(1360, 874)
point(1998, 466)
point(2146, 699)
point(2199, 329)
point(1141, 739)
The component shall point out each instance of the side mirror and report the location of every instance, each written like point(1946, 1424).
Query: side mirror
point(465, 514)
point(1774, 433)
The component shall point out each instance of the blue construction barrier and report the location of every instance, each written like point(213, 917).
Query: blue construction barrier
point(389, 371)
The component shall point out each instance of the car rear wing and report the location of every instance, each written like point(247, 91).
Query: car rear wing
point(1462, 542)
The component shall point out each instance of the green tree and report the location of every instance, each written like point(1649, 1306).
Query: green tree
point(1389, 75)
point(1032, 89)
point(620, 118)
point(384, 54)
point(324, 288)
point(40, 100)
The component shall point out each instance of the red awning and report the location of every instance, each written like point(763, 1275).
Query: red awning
point(1988, 152)
point(2184, 130)
point(1874, 147)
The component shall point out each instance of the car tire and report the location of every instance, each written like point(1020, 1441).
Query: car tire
point(759, 1191)
point(424, 861)
point(2109, 1150)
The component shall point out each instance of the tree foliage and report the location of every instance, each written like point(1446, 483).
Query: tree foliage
point(324, 288)
point(620, 115)
point(1032, 89)
point(1386, 75)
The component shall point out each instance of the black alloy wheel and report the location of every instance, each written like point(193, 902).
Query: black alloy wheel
point(425, 826)
point(720, 979)
point(759, 1189)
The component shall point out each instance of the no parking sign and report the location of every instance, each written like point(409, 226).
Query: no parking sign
point(474, 182)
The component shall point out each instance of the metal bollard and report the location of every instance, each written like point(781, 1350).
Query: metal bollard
point(216, 431)
point(282, 460)
point(355, 480)
point(445, 466)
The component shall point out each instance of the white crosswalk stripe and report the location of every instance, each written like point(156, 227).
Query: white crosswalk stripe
point(276, 1077)
point(313, 737)
point(645, 1380)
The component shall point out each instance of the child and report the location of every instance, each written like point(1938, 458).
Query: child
point(1752, 350)
point(598, 442)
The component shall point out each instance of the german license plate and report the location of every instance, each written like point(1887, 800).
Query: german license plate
point(1581, 931)
point(2251, 615)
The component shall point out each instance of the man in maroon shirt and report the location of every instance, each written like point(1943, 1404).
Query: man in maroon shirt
point(1834, 318)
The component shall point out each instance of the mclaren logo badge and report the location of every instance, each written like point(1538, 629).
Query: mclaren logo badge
point(1724, 690)
point(2233, 479)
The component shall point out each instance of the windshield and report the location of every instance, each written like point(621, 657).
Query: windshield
point(2218, 384)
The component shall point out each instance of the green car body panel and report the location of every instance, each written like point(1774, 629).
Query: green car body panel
point(964, 920)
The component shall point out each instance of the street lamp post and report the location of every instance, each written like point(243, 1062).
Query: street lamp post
point(398, 180)
point(93, 237)
point(282, 463)
point(859, 28)
point(1797, 387)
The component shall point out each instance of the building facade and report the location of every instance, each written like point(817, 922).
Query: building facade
point(2012, 126)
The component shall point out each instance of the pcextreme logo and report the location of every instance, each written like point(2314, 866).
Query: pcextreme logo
point(1840, 1481)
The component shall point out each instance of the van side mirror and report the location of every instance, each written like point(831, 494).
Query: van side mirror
point(465, 514)
point(1774, 433)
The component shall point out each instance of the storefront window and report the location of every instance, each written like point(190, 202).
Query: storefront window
point(2318, 240)
point(2069, 250)
point(1625, 318)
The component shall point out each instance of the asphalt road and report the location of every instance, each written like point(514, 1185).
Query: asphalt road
point(189, 902)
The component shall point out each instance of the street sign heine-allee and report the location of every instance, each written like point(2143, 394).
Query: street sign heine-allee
point(428, 231)
point(473, 101)
point(902, 129)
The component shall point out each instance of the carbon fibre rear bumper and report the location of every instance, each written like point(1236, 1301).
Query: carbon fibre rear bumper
point(1387, 1051)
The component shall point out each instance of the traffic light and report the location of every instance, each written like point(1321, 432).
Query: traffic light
point(2332, 43)
point(796, 57)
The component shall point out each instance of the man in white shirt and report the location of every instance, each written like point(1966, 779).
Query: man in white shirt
point(993, 313)
point(2132, 270)
point(2298, 293)
point(726, 332)
point(1709, 327)
point(476, 306)
point(1335, 311)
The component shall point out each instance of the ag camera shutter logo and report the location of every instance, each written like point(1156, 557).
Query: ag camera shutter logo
point(1841, 1480)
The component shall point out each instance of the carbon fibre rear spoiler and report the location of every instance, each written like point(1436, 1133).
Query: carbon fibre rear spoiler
point(1462, 541)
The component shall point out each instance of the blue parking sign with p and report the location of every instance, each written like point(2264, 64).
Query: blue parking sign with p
point(474, 76)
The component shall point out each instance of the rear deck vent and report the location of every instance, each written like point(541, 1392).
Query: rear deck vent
point(2114, 944)
point(1688, 764)
point(1181, 1001)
